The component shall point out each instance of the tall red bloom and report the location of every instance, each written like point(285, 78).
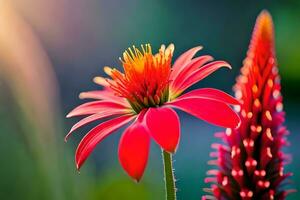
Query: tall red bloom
point(146, 93)
point(251, 162)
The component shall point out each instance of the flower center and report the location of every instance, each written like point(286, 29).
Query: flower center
point(145, 81)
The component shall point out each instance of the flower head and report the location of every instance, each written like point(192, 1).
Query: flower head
point(251, 162)
point(145, 93)
point(145, 82)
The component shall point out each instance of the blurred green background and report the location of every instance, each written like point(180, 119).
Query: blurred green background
point(51, 50)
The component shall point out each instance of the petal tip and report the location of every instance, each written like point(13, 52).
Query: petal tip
point(78, 166)
point(238, 124)
point(199, 47)
point(69, 115)
point(68, 135)
point(226, 64)
point(135, 177)
point(137, 180)
point(81, 95)
point(96, 79)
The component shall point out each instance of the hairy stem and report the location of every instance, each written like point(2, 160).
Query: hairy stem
point(169, 176)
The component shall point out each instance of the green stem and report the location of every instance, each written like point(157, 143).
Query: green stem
point(169, 176)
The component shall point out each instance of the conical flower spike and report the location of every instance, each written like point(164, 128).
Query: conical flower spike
point(250, 163)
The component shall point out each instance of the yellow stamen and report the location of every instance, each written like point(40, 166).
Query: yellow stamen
point(108, 70)
point(145, 79)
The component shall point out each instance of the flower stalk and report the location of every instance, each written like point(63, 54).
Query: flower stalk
point(169, 176)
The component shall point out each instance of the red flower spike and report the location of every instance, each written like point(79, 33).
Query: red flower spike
point(252, 168)
point(146, 91)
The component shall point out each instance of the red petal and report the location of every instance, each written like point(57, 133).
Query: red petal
point(106, 94)
point(164, 127)
point(95, 107)
point(97, 94)
point(209, 110)
point(94, 117)
point(201, 73)
point(211, 93)
point(189, 68)
point(96, 135)
point(134, 150)
point(182, 60)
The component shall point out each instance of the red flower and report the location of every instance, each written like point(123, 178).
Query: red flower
point(251, 162)
point(145, 94)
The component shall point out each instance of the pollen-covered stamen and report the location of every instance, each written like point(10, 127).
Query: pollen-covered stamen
point(238, 175)
point(255, 131)
point(145, 81)
point(270, 195)
point(257, 105)
point(246, 194)
point(250, 165)
point(261, 185)
point(259, 174)
point(236, 155)
point(267, 137)
point(265, 156)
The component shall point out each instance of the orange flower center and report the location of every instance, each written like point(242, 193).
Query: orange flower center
point(145, 81)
